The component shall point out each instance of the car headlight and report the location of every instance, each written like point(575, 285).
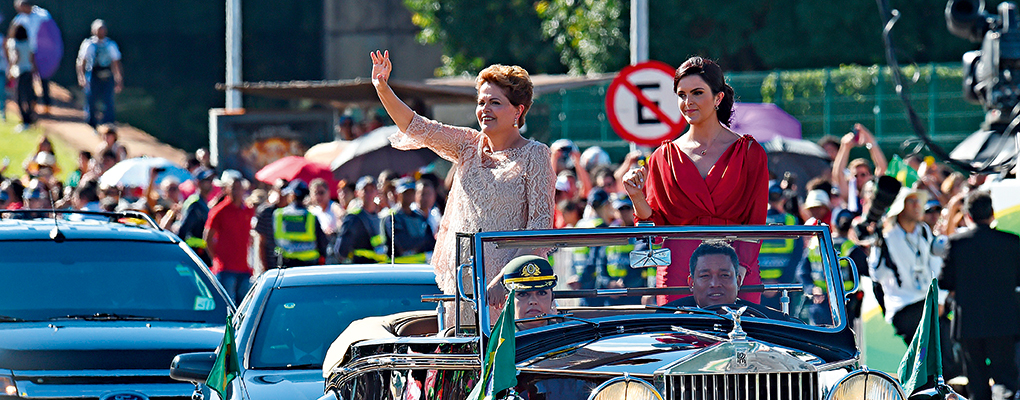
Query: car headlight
point(7, 385)
point(625, 388)
point(865, 384)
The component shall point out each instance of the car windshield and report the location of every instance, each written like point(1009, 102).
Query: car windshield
point(611, 267)
point(106, 280)
point(299, 323)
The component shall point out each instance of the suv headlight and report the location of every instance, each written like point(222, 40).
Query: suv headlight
point(7, 385)
point(866, 384)
point(625, 388)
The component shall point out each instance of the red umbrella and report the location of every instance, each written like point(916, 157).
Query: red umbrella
point(296, 167)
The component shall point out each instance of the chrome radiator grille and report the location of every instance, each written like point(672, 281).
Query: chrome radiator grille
point(764, 386)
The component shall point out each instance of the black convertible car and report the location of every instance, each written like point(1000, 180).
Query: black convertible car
point(780, 340)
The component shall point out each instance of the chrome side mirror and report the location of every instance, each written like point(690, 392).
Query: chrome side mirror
point(649, 258)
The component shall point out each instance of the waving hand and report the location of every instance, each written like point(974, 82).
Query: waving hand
point(381, 67)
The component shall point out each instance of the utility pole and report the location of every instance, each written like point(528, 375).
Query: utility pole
point(638, 31)
point(638, 38)
point(233, 54)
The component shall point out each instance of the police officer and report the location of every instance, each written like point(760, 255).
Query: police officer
point(299, 238)
point(813, 272)
point(360, 240)
point(406, 230)
point(532, 280)
point(778, 258)
point(196, 211)
point(618, 273)
point(589, 261)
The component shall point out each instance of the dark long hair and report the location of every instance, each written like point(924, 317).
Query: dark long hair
point(712, 74)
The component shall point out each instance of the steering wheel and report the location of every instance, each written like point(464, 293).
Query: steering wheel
point(750, 311)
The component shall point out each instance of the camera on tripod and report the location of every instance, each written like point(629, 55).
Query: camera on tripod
point(991, 77)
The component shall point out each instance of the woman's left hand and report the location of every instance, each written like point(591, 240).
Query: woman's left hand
point(495, 293)
point(634, 182)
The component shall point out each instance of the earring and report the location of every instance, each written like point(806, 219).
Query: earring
point(516, 118)
point(717, 107)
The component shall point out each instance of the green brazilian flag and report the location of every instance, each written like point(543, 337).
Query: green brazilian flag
point(226, 367)
point(499, 372)
point(901, 171)
point(923, 359)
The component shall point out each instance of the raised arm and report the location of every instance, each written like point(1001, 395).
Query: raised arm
point(877, 157)
point(399, 112)
point(839, 164)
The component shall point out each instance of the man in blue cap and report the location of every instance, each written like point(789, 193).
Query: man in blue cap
point(195, 212)
point(299, 238)
point(532, 280)
point(408, 235)
point(360, 240)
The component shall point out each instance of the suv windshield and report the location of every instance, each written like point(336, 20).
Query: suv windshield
point(299, 323)
point(105, 280)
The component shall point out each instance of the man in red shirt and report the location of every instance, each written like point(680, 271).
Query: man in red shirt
point(227, 236)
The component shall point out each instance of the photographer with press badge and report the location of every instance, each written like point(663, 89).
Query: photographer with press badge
point(902, 260)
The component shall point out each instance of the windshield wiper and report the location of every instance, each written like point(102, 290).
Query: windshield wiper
point(107, 317)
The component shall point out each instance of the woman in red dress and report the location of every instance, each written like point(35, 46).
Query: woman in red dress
point(708, 176)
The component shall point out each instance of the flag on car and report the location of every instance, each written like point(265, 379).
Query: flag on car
point(923, 360)
point(226, 367)
point(499, 372)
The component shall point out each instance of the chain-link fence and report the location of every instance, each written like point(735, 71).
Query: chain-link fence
point(826, 102)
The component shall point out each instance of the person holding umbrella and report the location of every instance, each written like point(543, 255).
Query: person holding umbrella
point(502, 181)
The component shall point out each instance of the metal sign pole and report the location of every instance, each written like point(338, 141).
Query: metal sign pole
point(638, 36)
point(233, 100)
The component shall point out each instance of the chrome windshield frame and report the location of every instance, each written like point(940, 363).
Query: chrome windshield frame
point(551, 237)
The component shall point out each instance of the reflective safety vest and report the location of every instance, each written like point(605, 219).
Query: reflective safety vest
point(195, 242)
point(294, 231)
point(775, 254)
point(618, 266)
point(815, 258)
point(582, 257)
point(378, 242)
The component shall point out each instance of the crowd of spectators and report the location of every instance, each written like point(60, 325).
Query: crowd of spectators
point(391, 218)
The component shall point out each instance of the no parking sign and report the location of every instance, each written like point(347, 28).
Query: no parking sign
point(641, 105)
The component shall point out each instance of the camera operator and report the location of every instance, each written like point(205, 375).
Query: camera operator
point(902, 261)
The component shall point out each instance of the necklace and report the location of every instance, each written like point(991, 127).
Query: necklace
point(704, 151)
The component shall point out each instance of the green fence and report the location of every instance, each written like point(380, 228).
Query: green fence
point(826, 102)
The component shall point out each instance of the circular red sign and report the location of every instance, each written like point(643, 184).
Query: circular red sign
point(641, 105)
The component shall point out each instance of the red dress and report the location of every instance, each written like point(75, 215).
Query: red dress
point(735, 192)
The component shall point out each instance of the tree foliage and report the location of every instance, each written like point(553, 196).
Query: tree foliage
point(791, 34)
point(587, 33)
point(584, 36)
point(476, 33)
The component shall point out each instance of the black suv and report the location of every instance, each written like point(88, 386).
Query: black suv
point(96, 305)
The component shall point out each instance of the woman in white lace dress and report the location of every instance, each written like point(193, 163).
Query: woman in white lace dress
point(502, 181)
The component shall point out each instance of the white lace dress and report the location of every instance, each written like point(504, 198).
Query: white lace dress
point(492, 191)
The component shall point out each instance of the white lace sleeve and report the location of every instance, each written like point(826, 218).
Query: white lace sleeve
point(447, 141)
point(540, 189)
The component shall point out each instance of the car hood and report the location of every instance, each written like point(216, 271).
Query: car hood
point(297, 385)
point(77, 345)
point(648, 352)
